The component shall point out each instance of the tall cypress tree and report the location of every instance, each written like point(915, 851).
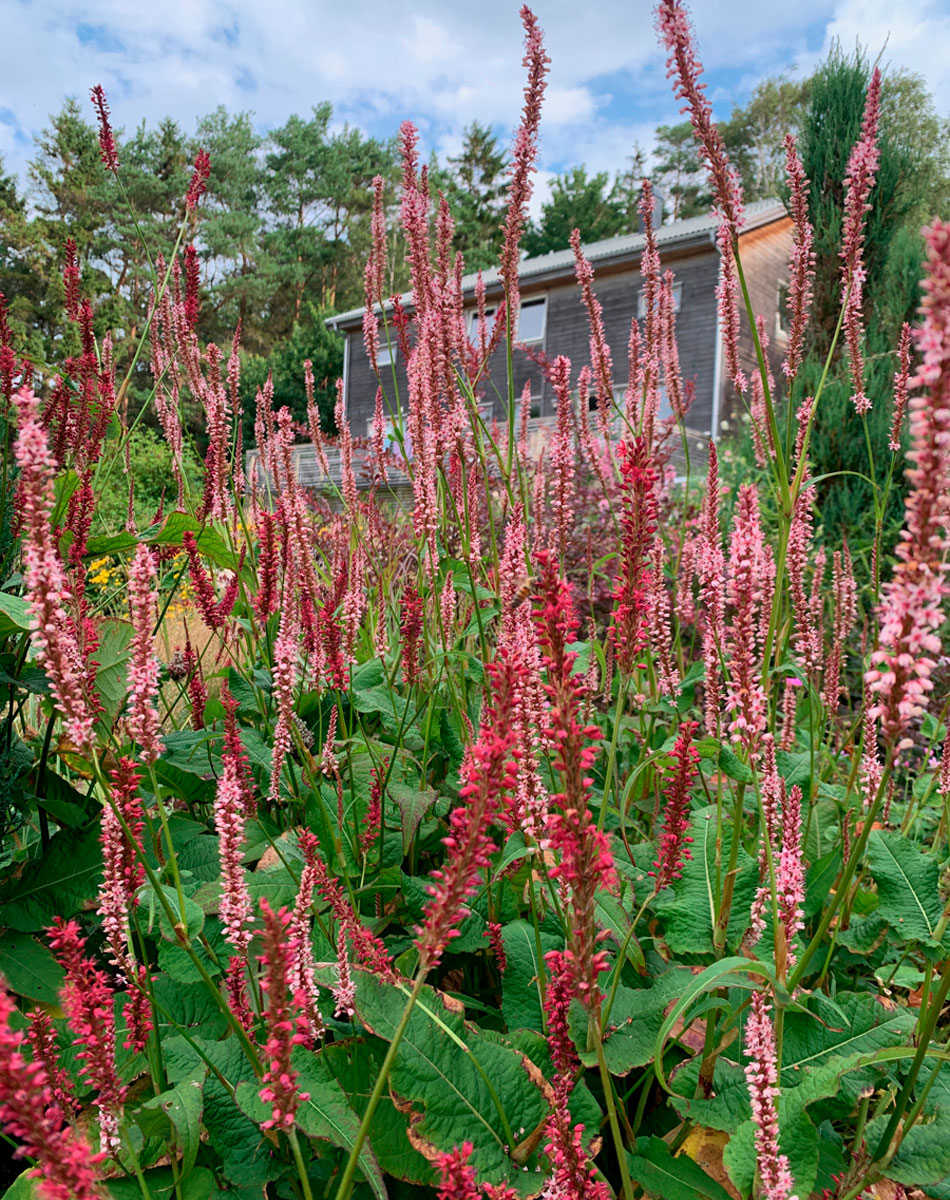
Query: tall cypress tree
point(892, 252)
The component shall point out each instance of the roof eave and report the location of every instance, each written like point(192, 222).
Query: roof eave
point(565, 270)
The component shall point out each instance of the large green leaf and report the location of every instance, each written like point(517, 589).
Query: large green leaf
point(169, 533)
point(247, 1157)
point(22, 1188)
point(855, 1023)
point(688, 907)
point(798, 1140)
point(179, 1108)
point(14, 614)
point(924, 1155)
point(326, 1115)
point(57, 884)
point(209, 541)
point(908, 886)
point(667, 1178)
point(160, 1181)
point(634, 1023)
point(413, 805)
point(356, 1065)
point(113, 655)
point(30, 969)
point(455, 1081)
point(522, 982)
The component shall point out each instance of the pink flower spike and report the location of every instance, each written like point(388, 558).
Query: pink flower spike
point(456, 1177)
point(801, 259)
point(31, 1113)
point(53, 624)
point(143, 721)
point(87, 1001)
point(283, 1020)
point(762, 1081)
point(674, 844)
point(683, 65)
point(199, 180)
point(901, 383)
point(911, 612)
point(229, 818)
point(524, 154)
point(107, 148)
point(487, 771)
point(859, 180)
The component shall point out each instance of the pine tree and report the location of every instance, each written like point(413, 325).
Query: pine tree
point(578, 201)
point(474, 184)
point(908, 178)
point(678, 175)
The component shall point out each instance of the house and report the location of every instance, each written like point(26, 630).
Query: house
point(553, 320)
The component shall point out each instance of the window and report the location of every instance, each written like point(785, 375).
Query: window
point(532, 320)
point(386, 355)
point(390, 439)
point(677, 300)
point(782, 320)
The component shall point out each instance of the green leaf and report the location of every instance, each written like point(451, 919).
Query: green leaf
point(798, 1140)
point(413, 804)
point(924, 1154)
point(668, 1178)
point(107, 545)
point(112, 655)
point(688, 907)
point(247, 1158)
point(190, 1006)
point(188, 923)
point(327, 1115)
point(160, 1182)
point(181, 1107)
point(819, 881)
point(14, 615)
point(29, 968)
point(58, 883)
point(210, 543)
point(356, 1065)
point(381, 700)
point(855, 1023)
point(730, 764)
point(908, 886)
point(451, 1077)
point(520, 984)
point(612, 917)
point(634, 1023)
point(22, 1188)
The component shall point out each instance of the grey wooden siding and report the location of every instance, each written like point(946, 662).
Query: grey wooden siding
point(566, 332)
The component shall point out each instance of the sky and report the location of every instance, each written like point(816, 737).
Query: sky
point(441, 64)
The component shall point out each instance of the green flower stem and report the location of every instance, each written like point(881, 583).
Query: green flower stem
point(848, 870)
point(608, 1087)
point(301, 1165)
point(623, 684)
point(173, 919)
point(883, 1151)
point(346, 1183)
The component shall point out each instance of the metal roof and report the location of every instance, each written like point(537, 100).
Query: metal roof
point(626, 245)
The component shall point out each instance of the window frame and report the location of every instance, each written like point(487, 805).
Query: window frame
point(677, 300)
point(782, 315)
point(532, 301)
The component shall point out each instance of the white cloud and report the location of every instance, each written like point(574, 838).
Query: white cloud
point(441, 64)
point(915, 37)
